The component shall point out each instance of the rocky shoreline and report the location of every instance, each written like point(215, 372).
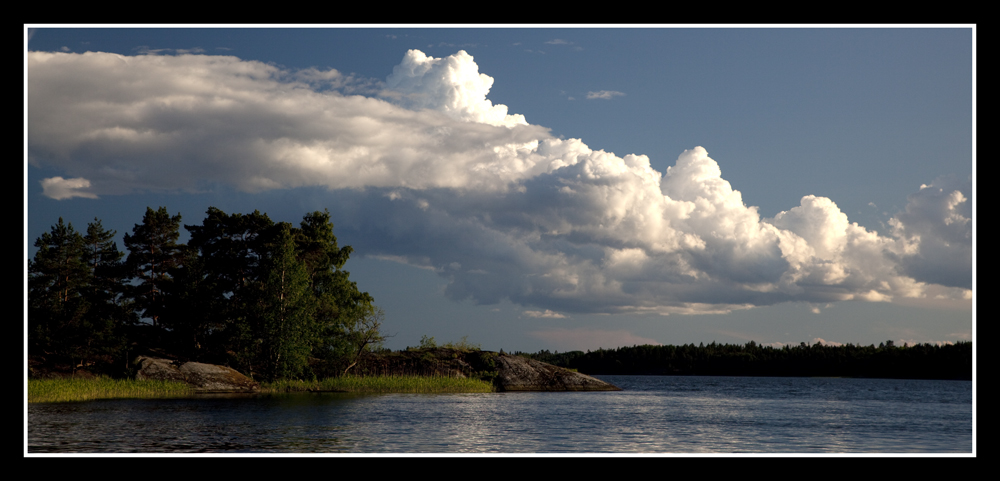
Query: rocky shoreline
point(507, 372)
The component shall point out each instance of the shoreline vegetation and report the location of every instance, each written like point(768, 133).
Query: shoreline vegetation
point(90, 389)
point(382, 384)
point(429, 369)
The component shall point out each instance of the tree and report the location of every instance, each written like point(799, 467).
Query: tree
point(153, 253)
point(285, 327)
point(109, 309)
point(190, 305)
point(364, 333)
point(57, 278)
point(225, 281)
point(268, 297)
point(75, 294)
point(339, 303)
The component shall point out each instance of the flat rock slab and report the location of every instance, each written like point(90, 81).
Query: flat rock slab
point(203, 377)
point(507, 372)
point(516, 373)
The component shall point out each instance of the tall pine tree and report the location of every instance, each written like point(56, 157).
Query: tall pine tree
point(153, 253)
point(77, 307)
point(57, 280)
point(230, 249)
point(110, 310)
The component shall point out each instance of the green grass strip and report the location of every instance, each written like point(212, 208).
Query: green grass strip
point(68, 390)
point(65, 390)
point(383, 384)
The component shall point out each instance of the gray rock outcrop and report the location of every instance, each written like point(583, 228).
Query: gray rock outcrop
point(516, 373)
point(203, 377)
point(507, 372)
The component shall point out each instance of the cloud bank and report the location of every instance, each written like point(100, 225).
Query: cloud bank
point(433, 174)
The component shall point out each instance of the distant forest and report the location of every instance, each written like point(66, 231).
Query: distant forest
point(920, 361)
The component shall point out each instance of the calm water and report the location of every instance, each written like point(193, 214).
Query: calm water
point(654, 414)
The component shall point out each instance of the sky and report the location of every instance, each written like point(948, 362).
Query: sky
point(560, 188)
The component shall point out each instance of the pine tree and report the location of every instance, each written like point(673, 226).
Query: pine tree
point(153, 253)
point(191, 307)
point(110, 310)
point(57, 278)
point(230, 249)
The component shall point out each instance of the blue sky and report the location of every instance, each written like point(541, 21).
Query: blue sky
point(548, 188)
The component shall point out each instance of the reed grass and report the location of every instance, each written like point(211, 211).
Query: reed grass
point(67, 390)
point(383, 384)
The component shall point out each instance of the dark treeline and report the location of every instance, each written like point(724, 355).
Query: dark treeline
point(267, 298)
point(921, 361)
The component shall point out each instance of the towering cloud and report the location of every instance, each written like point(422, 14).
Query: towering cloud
point(434, 174)
point(452, 85)
point(935, 233)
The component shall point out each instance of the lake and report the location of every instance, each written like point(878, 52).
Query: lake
point(653, 414)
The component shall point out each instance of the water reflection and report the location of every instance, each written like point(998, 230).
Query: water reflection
point(653, 415)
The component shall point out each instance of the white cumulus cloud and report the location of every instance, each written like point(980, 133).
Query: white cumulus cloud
point(935, 233)
point(452, 85)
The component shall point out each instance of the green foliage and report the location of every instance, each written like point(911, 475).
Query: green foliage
point(153, 254)
point(364, 332)
point(463, 345)
point(284, 309)
point(278, 290)
point(270, 299)
point(223, 277)
point(57, 277)
point(110, 309)
point(77, 309)
point(342, 311)
point(427, 342)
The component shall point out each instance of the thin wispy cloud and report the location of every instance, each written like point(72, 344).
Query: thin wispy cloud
point(604, 94)
point(544, 314)
point(145, 50)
